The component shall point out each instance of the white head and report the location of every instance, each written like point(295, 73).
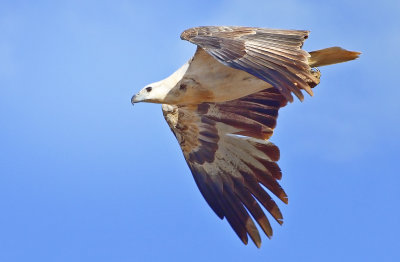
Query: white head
point(161, 92)
point(153, 93)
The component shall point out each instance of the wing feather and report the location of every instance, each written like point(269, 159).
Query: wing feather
point(231, 161)
point(272, 55)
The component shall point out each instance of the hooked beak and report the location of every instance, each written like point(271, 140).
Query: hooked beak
point(133, 100)
point(136, 99)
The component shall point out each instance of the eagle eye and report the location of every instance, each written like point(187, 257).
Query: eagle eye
point(148, 89)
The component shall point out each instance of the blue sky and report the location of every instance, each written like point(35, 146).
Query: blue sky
point(84, 176)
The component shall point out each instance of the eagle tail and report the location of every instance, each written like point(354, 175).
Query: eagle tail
point(331, 55)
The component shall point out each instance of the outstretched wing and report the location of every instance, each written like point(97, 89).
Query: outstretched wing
point(272, 55)
point(227, 149)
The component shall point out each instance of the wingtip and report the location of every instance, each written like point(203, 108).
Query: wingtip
point(189, 33)
point(245, 240)
point(257, 241)
point(284, 198)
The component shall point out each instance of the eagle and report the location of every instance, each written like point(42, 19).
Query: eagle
point(222, 106)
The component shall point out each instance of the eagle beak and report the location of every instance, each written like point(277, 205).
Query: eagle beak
point(134, 99)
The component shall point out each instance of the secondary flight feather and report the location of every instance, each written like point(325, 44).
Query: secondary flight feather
point(222, 107)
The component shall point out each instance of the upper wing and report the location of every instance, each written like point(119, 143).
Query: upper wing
point(272, 55)
point(226, 147)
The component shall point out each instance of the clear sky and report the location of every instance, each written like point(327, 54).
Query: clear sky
point(84, 176)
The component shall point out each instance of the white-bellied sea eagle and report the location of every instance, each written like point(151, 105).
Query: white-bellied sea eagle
point(222, 106)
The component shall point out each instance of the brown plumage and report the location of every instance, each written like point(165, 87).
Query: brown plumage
point(232, 158)
point(222, 106)
point(274, 56)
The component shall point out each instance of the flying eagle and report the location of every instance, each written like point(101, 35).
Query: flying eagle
point(222, 107)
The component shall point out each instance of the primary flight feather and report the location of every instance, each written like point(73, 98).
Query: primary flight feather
point(222, 106)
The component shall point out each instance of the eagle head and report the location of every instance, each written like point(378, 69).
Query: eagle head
point(153, 93)
point(166, 91)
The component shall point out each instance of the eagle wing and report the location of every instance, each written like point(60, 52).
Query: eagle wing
point(272, 55)
point(227, 149)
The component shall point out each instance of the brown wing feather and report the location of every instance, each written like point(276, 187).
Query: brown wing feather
point(272, 55)
point(224, 145)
